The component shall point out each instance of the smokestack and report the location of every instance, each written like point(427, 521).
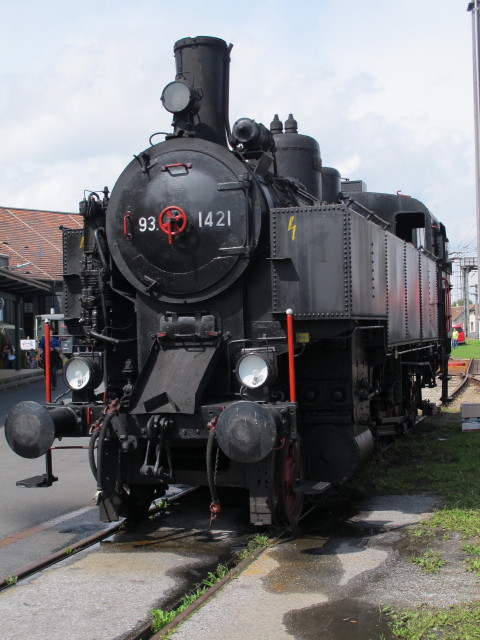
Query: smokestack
point(203, 65)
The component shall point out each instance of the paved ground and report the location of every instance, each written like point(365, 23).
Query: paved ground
point(335, 588)
point(26, 509)
point(11, 377)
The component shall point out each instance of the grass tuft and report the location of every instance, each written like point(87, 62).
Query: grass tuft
point(258, 541)
point(162, 617)
point(430, 561)
point(465, 521)
point(473, 562)
point(458, 622)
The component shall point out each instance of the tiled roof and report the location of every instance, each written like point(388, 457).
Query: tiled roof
point(456, 313)
point(458, 316)
point(32, 236)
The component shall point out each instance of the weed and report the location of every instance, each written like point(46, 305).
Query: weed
point(11, 580)
point(256, 542)
point(429, 561)
point(162, 505)
point(465, 521)
point(454, 623)
point(473, 564)
point(213, 578)
point(69, 551)
point(421, 532)
point(160, 617)
point(472, 549)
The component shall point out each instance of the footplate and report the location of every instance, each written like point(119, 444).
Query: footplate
point(45, 480)
point(310, 488)
point(37, 481)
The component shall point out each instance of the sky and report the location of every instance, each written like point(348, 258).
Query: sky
point(385, 86)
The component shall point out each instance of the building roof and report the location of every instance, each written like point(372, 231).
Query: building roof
point(32, 239)
point(458, 316)
point(16, 284)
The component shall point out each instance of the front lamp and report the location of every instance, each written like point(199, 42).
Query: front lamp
point(177, 97)
point(81, 373)
point(254, 370)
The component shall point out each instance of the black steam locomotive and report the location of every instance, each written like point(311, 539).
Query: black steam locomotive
point(248, 319)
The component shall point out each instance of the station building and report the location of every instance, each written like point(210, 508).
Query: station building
point(31, 268)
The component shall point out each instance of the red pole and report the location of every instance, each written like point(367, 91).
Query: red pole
point(46, 352)
point(291, 361)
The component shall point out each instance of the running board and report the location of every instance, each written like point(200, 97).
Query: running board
point(309, 487)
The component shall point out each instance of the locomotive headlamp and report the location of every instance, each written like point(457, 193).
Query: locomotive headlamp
point(80, 373)
point(254, 370)
point(177, 97)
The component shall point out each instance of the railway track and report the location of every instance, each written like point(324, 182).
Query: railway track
point(461, 373)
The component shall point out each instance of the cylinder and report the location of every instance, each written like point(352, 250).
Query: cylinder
point(203, 62)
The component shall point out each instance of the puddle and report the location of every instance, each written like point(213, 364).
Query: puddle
point(184, 529)
point(340, 620)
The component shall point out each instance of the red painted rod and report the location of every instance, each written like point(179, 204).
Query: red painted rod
point(291, 360)
point(46, 359)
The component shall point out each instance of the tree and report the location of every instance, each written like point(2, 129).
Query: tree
point(459, 303)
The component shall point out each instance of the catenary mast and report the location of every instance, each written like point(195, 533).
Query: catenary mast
point(474, 8)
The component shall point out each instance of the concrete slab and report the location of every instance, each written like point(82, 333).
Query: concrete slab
point(93, 597)
point(384, 513)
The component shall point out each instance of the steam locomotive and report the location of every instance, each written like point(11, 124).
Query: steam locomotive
point(248, 318)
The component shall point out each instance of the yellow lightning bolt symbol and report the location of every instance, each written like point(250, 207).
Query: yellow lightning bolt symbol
point(292, 227)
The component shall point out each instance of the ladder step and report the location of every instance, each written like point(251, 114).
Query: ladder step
point(312, 487)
